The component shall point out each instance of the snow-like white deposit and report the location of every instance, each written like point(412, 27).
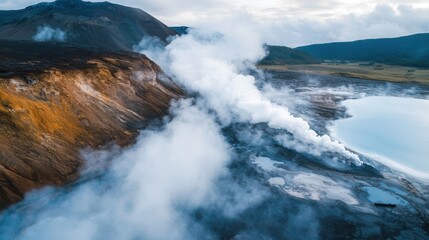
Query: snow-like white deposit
point(304, 185)
point(317, 187)
point(277, 181)
point(266, 164)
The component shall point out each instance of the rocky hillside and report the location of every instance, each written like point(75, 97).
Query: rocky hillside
point(88, 24)
point(56, 100)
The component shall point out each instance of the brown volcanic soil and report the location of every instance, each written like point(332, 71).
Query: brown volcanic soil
point(56, 99)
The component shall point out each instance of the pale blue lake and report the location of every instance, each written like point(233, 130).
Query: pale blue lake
point(392, 130)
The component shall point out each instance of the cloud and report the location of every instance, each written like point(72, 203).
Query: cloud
point(16, 4)
point(382, 20)
point(296, 23)
point(47, 33)
point(292, 23)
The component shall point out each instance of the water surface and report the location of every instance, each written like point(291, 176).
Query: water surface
point(393, 130)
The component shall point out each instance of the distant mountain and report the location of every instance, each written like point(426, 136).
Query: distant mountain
point(278, 55)
point(410, 50)
point(181, 30)
point(87, 24)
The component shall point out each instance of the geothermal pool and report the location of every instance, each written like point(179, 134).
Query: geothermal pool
point(391, 130)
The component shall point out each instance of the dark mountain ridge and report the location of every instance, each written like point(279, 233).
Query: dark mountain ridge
point(86, 24)
point(410, 50)
point(181, 30)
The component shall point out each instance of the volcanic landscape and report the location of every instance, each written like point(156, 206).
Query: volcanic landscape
point(115, 126)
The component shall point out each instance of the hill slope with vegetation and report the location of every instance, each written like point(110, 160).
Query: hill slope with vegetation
point(410, 50)
point(278, 55)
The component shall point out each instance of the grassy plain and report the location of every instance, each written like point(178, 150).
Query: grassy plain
point(389, 73)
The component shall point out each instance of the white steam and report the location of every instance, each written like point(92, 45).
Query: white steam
point(151, 189)
point(47, 33)
point(143, 193)
point(215, 67)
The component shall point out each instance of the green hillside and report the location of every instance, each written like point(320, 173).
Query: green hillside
point(410, 50)
point(278, 55)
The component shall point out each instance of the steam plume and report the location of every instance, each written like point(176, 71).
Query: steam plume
point(215, 67)
point(47, 33)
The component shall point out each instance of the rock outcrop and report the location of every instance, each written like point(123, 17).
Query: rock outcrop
point(56, 100)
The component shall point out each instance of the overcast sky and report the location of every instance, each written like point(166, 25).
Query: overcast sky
point(291, 22)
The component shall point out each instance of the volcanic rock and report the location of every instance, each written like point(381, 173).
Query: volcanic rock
point(56, 99)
